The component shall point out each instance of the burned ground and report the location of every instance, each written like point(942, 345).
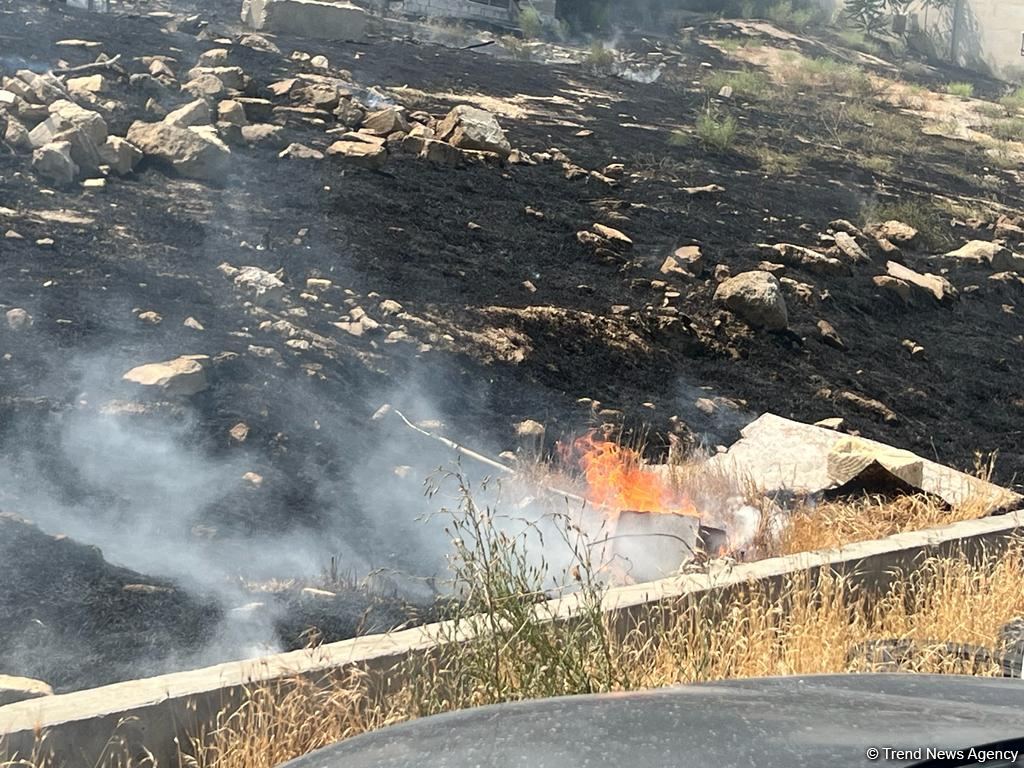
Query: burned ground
point(454, 247)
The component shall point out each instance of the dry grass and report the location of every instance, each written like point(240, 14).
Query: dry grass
point(505, 642)
point(803, 628)
point(837, 523)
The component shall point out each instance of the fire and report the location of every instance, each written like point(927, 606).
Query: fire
point(616, 478)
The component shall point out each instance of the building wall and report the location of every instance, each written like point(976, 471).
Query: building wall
point(461, 9)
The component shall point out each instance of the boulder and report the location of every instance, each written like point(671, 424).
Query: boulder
point(296, 151)
point(84, 129)
point(232, 78)
point(88, 84)
point(18, 319)
point(984, 252)
point(849, 247)
point(349, 113)
point(799, 256)
point(229, 111)
point(205, 86)
point(16, 135)
point(215, 57)
point(757, 298)
point(182, 376)
point(265, 134)
point(895, 232)
point(386, 121)
point(196, 112)
point(43, 89)
point(468, 127)
point(53, 162)
point(191, 152)
point(362, 153)
point(120, 155)
point(438, 152)
point(14, 689)
point(936, 286)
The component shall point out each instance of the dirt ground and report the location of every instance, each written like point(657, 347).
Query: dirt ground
point(454, 246)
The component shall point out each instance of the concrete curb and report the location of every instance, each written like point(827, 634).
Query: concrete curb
point(154, 712)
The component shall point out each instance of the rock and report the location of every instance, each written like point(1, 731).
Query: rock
point(725, 92)
point(707, 189)
point(43, 89)
point(191, 152)
point(90, 84)
point(349, 114)
point(915, 349)
point(325, 96)
point(195, 325)
point(215, 57)
point(194, 113)
point(307, 18)
point(239, 432)
point(53, 162)
point(84, 129)
point(232, 78)
point(16, 135)
point(756, 297)
point(893, 285)
point(365, 154)
point(615, 236)
point(18, 319)
point(438, 152)
point(829, 335)
point(869, 405)
point(263, 134)
point(14, 689)
point(690, 258)
point(94, 184)
point(159, 68)
point(797, 255)
point(205, 86)
point(849, 247)
point(895, 232)
point(296, 151)
point(834, 423)
point(256, 110)
point(995, 255)
point(847, 227)
point(182, 376)
point(320, 62)
point(1009, 229)
point(390, 307)
point(468, 127)
point(265, 288)
point(386, 121)
point(230, 111)
point(120, 155)
point(318, 284)
point(937, 286)
point(150, 317)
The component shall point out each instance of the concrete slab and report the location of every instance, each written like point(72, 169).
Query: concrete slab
point(782, 456)
point(307, 18)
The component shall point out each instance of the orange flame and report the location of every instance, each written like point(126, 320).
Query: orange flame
point(616, 478)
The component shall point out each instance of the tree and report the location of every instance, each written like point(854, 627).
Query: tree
point(868, 15)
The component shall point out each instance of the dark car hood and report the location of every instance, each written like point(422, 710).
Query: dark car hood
point(789, 722)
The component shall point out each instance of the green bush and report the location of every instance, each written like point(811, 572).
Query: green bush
point(1010, 129)
point(963, 90)
point(715, 131)
point(600, 59)
point(1014, 101)
point(930, 221)
point(530, 23)
point(747, 82)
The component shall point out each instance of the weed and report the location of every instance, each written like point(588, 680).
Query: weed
point(1010, 129)
point(1014, 101)
point(530, 23)
point(992, 111)
point(776, 163)
point(600, 58)
point(859, 41)
point(716, 131)
point(963, 90)
point(748, 82)
point(926, 217)
point(828, 75)
point(876, 163)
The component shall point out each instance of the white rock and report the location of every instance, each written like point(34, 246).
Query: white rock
point(194, 113)
point(18, 319)
point(120, 155)
point(53, 162)
point(183, 376)
point(266, 288)
point(757, 298)
point(192, 152)
point(469, 127)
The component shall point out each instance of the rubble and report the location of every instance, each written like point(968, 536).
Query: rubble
point(120, 155)
point(264, 288)
point(386, 121)
point(193, 113)
point(84, 130)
